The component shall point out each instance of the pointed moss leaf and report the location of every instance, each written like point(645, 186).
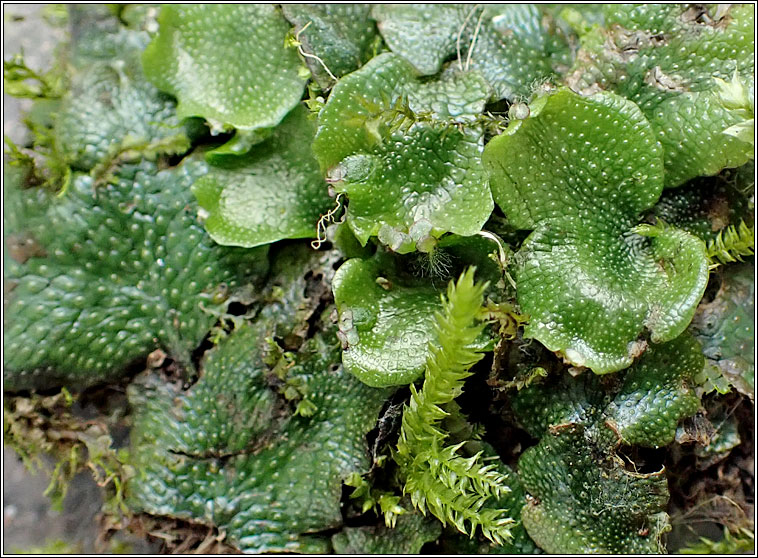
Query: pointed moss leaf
point(117, 272)
point(578, 171)
point(274, 192)
point(410, 533)
point(511, 46)
point(743, 542)
point(726, 327)
point(670, 60)
point(457, 543)
point(435, 475)
point(513, 501)
point(657, 393)
point(110, 107)
point(340, 35)
point(385, 323)
point(226, 63)
point(403, 163)
point(386, 316)
point(578, 504)
point(705, 206)
point(229, 452)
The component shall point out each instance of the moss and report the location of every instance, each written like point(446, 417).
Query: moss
point(158, 225)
